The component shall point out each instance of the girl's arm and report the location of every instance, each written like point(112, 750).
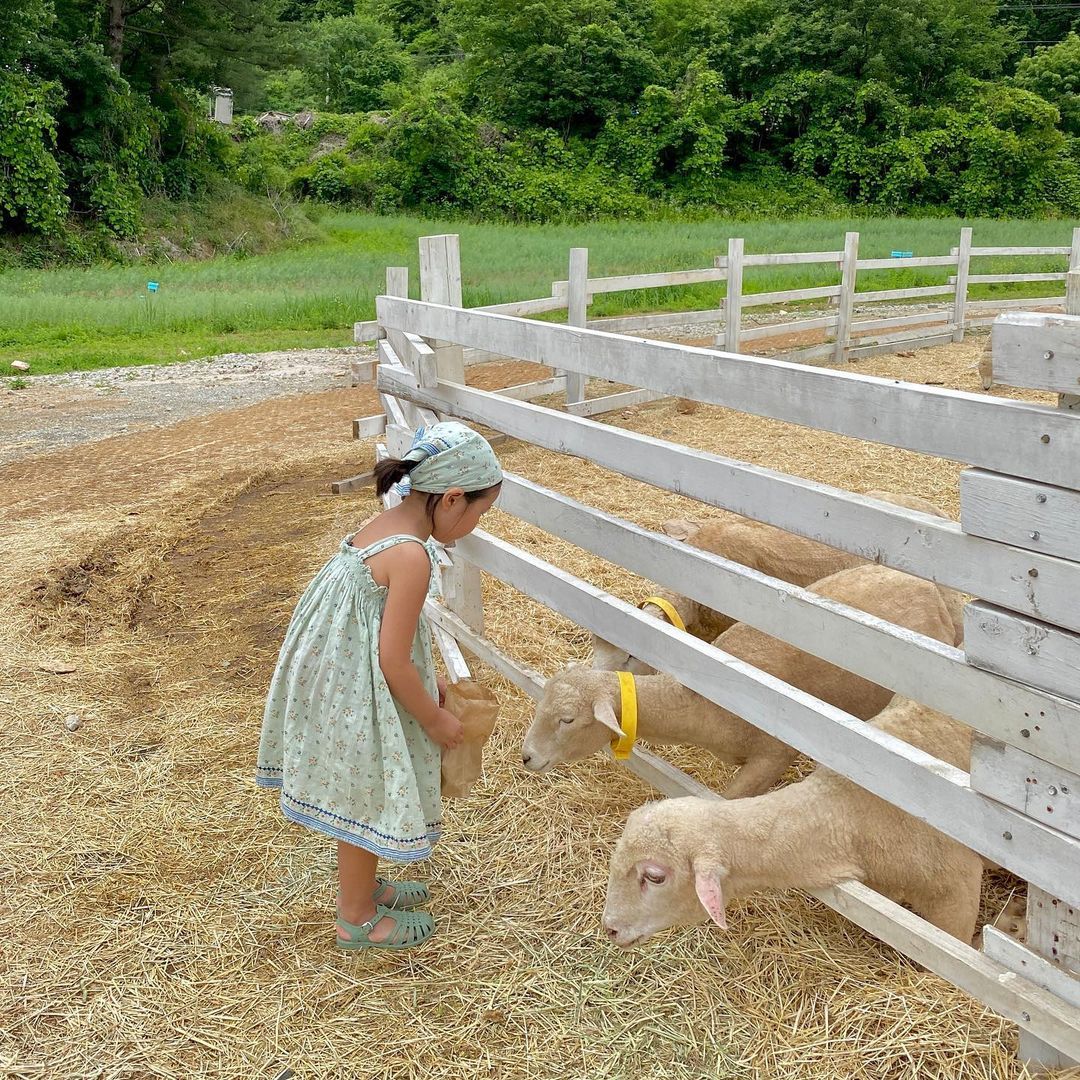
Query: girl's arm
point(407, 584)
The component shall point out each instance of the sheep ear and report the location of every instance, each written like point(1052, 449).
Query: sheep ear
point(604, 713)
point(710, 892)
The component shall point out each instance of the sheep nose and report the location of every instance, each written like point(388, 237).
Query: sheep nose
point(526, 758)
point(611, 931)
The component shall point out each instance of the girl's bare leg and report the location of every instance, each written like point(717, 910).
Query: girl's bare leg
point(356, 885)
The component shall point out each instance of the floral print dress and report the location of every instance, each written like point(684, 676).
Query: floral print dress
point(349, 761)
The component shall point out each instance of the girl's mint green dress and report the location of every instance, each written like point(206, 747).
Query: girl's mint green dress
point(349, 761)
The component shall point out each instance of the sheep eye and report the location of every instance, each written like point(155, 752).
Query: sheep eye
point(567, 720)
point(653, 878)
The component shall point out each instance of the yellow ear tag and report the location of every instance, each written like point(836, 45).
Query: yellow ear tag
point(667, 609)
point(621, 747)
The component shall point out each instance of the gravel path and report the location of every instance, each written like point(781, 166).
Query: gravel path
point(54, 411)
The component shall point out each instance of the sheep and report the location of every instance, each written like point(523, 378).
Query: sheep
point(762, 547)
point(680, 861)
point(579, 709)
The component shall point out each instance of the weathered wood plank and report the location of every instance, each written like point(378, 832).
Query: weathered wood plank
point(620, 324)
point(865, 325)
point(366, 427)
point(999, 434)
point(963, 276)
point(904, 264)
point(659, 280)
point(1055, 920)
point(1027, 302)
point(792, 258)
point(1010, 953)
point(577, 313)
point(919, 544)
point(1023, 648)
point(527, 307)
point(894, 342)
point(1037, 788)
point(904, 775)
point(987, 279)
point(366, 331)
point(849, 274)
point(761, 299)
point(1023, 513)
point(937, 674)
point(1039, 351)
point(530, 390)
point(610, 402)
point(733, 301)
point(811, 352)
point(756, 333)
point(913, 336)
point(1020, 250)
point(904, 294)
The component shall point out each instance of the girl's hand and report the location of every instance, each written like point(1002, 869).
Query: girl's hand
point(446, 730)
point(442, 690)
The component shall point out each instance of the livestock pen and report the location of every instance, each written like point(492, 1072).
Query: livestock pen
point(1015, 551)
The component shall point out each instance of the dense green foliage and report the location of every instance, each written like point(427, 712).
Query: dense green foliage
point(541, 110)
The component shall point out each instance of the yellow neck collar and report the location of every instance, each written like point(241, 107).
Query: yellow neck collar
point(621, 746)
point(667, 609)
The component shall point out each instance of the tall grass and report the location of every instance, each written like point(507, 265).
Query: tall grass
point(308, 295)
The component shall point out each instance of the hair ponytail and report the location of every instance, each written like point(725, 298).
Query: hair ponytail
point(389, 471)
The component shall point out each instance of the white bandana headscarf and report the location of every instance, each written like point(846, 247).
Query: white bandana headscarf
point(450, 455)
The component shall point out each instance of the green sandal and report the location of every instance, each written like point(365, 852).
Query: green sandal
point(407, 894)
point(410, 928)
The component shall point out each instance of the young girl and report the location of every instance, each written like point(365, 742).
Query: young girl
point(354, 718)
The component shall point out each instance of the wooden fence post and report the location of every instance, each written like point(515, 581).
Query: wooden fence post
point(1072, 307)
point(577, 307)
point(848, 273)
point(733, 301)
point(963, 264)
point(440, 283)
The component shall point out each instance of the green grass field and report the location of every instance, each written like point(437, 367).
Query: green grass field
point(61, 320)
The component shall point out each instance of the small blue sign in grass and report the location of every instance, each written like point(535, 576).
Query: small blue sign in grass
point(151, 286)
point(901, 254)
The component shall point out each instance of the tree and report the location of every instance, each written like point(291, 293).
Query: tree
point(567, 64)
point(351, 61)
point(1054, 74)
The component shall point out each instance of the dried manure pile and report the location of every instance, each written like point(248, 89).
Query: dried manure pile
point(160, 919)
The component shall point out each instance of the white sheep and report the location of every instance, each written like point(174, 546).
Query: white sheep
point(681, 861)
point(580, 707)
point(761, 547)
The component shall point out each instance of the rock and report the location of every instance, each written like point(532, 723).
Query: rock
point(19, 365)
point(73, 723)
point(56, 667)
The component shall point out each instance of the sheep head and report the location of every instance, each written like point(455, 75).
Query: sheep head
point(574, 718)
point(661, 875)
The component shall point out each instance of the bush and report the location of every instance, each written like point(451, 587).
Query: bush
point(31, 184)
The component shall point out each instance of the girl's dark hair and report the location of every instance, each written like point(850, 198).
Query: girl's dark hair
point(390, 470)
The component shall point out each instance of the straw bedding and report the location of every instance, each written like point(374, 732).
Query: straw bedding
point(162, 920)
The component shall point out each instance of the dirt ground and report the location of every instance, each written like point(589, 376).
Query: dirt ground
point(162, 920)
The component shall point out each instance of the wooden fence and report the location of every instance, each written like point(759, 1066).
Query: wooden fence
point(1015, 549)
point(851, 339)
